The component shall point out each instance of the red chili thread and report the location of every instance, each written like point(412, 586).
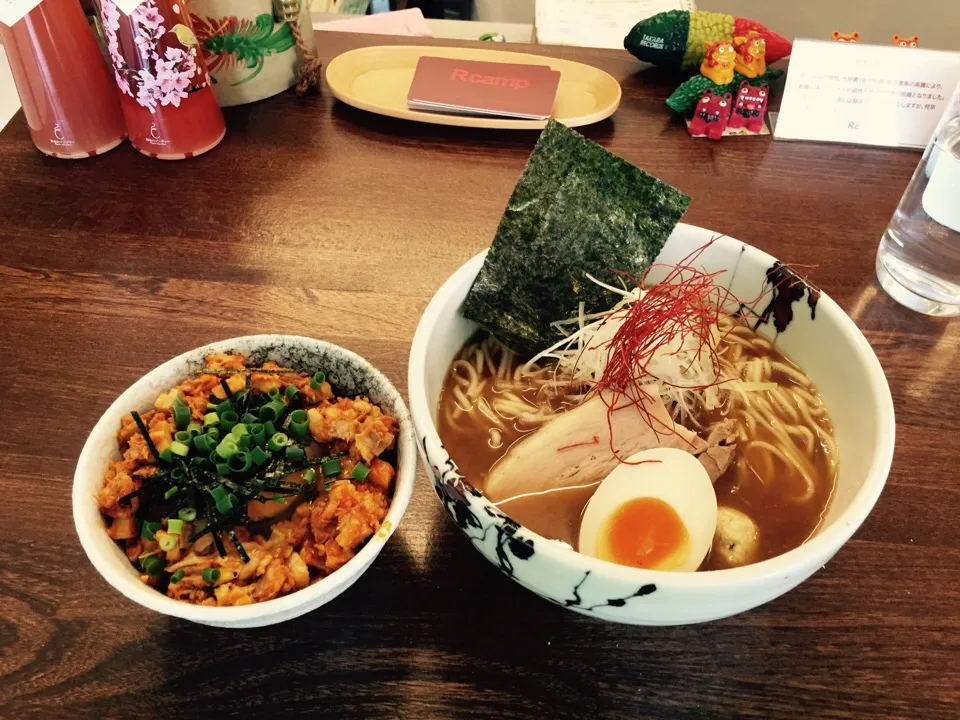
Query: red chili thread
point(687, 303)
point(595, 441)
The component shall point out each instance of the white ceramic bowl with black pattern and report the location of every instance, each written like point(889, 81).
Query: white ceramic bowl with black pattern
point(815, 333)
point(348, 373)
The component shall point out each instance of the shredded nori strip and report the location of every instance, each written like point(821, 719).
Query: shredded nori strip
point(247, 393)
point(226, 390)
point(244, 371)
point(236, 543)
point(221, 550)
point(144, 487)
point(577, 209)
point(146, 435)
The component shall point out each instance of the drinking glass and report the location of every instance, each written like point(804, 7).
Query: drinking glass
point(918, 262)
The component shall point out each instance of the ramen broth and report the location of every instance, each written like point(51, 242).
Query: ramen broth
point(786, 507)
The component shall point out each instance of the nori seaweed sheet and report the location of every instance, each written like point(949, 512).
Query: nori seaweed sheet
point(577, 209)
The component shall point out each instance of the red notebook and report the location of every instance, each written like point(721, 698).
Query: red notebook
point(472, 87)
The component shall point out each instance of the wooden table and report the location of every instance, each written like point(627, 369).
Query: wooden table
point(317, 219)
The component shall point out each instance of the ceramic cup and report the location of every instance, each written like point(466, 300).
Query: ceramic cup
point(250, 53)
point(820, 338)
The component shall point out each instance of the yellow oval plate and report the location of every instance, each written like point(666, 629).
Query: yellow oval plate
point(378, 79)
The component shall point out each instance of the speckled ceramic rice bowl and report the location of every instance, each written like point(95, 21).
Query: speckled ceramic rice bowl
point(348, 373)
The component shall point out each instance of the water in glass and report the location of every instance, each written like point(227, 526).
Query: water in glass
point(918, 262)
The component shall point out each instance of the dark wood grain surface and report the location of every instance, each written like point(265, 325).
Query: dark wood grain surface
point(317, 219)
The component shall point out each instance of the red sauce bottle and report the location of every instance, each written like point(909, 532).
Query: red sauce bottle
point(169, 106)
point(68, 97)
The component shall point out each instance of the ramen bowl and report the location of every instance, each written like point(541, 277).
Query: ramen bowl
point(816, 334)
point(347, 372)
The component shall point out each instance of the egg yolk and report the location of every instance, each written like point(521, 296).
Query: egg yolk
point(645, 533)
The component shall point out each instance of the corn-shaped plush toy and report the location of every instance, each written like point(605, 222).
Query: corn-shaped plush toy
point(676, 38)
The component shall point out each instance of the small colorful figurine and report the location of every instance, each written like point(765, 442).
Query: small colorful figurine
point(751, 54)
point(718, 62)
point(711, 116)
point(841, 37)
point(906, 41)
point(750, 107)
point(734, 73)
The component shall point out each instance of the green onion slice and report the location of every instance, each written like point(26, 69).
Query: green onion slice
point(227, 448)
point(181, 414)
point(272, 411)
point(228, 420)
point(299, 423)
point(278, 441)
point(240, 462)
point(294, 453)
point(259, 456)
point(152, 565)
point(179, 448)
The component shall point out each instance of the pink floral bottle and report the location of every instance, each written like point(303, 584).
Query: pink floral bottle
point(68, 98)
point(170, 108)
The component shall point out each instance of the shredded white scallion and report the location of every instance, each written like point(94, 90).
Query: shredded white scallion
point(681, 369)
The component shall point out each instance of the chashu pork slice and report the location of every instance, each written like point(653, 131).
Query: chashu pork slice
point(721, 449)
point(574, 447)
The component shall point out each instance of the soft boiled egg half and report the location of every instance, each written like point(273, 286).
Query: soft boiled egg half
point(658, 511)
